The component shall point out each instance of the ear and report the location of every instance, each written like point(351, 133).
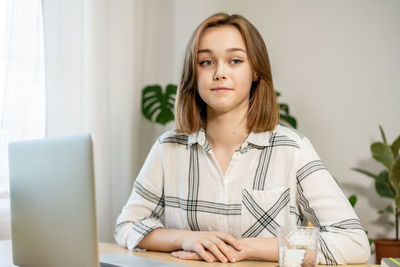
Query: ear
point(255, 77)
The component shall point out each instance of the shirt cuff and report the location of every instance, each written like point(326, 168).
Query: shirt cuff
point(141, 229)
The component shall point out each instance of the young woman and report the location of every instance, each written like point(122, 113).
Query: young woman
point(219, 187)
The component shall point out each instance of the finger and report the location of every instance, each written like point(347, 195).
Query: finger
point(223, 247)
point(186, 255)
point(211, 256)
point(198, 248)
point(212, 247)
point(177, 254)
point(229, 239)
point(190, 255)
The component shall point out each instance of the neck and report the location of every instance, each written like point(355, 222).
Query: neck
point(226, 130)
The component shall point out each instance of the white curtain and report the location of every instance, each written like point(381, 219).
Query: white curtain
point(97, 62)
point(22, 94)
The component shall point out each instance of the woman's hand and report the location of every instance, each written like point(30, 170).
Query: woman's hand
point(190, 255)
point(210, 246)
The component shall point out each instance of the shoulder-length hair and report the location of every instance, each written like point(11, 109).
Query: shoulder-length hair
point(263, 111)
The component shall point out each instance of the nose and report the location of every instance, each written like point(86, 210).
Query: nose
point(219, 73)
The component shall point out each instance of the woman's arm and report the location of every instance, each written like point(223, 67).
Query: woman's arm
point(260, 248)
point(342, 238)
point(162, 240)
point(144, 209)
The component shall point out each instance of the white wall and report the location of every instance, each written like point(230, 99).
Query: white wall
point(337, 65)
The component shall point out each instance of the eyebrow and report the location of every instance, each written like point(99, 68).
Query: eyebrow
point(229, 50)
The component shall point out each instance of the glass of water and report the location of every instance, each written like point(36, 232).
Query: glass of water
point(298, 246)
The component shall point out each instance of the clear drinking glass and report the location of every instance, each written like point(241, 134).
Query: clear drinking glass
point(298, 246)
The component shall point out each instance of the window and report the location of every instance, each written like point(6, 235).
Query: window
point(22, 93)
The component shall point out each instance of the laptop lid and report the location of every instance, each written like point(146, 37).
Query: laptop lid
point(53, 220)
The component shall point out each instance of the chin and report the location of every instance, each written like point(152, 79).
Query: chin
point(221, 110)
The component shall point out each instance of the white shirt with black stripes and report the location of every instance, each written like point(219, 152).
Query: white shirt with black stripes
point(275, 179)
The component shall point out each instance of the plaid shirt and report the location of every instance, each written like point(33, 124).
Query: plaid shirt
point(276, 178)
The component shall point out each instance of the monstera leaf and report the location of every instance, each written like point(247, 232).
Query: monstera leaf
point(158, 106)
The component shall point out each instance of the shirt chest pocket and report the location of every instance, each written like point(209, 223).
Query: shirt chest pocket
point(263, 212)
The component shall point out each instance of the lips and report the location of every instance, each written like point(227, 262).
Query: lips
point(221, 89)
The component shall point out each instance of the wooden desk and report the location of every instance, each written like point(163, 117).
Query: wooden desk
point(104, 248)
point(163, 256)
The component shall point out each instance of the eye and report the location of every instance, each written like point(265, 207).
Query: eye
point(236, 61)
point(206, 63)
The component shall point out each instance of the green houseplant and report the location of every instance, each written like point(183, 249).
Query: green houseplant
point(387, 185)
point(158, 106)
point(285, 114)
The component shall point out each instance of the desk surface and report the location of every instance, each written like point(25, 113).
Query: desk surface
point(6, 257)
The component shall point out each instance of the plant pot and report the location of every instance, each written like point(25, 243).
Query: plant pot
point(386, 248)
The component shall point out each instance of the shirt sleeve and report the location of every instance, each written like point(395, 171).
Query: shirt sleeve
point(342, 239)
point(144, 209)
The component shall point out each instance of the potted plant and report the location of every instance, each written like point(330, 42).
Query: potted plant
point(387, 184)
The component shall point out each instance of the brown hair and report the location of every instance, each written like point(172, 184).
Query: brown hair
point(190, 109)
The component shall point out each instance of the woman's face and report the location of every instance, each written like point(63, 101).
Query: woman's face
point(224, 74)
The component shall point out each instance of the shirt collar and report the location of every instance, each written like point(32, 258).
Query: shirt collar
point(198, 137)
point(261, 139)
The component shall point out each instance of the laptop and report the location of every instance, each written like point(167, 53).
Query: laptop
point(53, 213)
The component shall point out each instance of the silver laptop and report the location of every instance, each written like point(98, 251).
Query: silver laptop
point(53, 215)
